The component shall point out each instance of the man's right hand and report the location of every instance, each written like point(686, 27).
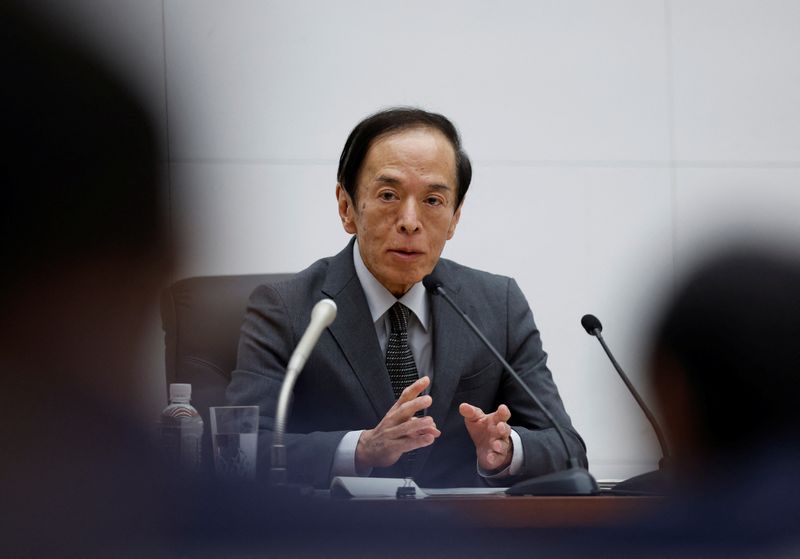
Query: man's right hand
point(399, 431)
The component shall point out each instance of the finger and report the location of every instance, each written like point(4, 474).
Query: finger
point(413, 390)
point(503, 413)
point(409, 409)
point(408, 426)
point(428, 431)
point(425, 430)
point(409, 443)
point(500, 438)
point(416, 426)
point(500, 446)
point(495, 457)
point(470, 413)
point(500, 430)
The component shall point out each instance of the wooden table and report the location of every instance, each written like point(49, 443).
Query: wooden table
point(523, 512)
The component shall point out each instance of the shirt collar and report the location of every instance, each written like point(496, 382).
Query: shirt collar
point(380, 299)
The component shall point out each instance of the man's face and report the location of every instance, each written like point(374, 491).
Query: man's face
point(406, 206)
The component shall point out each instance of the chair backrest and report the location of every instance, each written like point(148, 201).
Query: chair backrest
point(202, 317)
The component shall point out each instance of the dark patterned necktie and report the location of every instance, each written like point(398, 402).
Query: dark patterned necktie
point(399, 360)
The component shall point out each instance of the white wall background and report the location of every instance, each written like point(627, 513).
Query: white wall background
point(611, 140)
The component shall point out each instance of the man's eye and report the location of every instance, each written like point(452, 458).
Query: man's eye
point(433, 201)
point(386, 195)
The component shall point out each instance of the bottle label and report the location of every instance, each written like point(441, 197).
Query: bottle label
point(181, 437)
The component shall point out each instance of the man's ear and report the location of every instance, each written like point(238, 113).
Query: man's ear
point(346, 209)
point(454, 221)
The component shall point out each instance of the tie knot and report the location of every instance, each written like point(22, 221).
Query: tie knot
point(398, 315)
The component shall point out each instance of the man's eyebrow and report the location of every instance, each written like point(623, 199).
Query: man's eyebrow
point(393, 181)
point(386, 179)
point(437, 186)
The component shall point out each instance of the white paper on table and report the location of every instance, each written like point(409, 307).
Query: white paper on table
point(386, 488)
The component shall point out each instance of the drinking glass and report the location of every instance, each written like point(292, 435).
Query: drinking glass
point(234, 436)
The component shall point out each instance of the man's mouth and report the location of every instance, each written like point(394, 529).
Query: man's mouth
point(405, 252)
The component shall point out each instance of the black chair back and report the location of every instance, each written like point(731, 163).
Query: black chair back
point(202, 317)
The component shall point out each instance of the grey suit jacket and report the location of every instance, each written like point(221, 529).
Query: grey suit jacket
point(345, 386)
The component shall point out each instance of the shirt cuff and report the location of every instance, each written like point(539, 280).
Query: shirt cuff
point(517, 460)
point(344, 459)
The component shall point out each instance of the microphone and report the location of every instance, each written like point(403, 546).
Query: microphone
point(322, 316)
point(650, 482)
point(591, 324)
point(572, 481)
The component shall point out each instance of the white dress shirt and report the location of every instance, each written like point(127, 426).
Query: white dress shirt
point(420, 339)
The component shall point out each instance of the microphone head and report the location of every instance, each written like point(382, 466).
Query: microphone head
point(324, 312)
point(591, 324)
point(431, 283)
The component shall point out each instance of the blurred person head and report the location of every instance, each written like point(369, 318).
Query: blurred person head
point(726, 357)
point(80, 220)
point(402, 179)
point(725, 365)
point(83, 256)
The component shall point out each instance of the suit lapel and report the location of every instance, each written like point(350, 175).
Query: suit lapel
point(452, 342)
point(452, 345)
point(354, 331)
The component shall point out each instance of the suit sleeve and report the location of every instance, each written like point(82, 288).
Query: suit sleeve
point(541, 445)
point(265, 345)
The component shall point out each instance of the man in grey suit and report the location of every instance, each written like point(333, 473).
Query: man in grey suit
point(398, 385)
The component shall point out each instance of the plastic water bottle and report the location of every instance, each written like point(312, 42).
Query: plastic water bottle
point(182, 430)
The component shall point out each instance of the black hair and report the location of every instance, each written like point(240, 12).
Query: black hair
point(394, 120)
point(733, 328)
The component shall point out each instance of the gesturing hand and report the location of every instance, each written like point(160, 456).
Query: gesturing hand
point(491, 435)
point(399, 431)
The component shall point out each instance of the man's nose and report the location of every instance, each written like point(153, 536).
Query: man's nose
point(408, 220)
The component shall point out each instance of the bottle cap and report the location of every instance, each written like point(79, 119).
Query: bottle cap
point(180, 391)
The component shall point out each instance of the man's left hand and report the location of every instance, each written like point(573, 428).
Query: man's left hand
point(491, 435)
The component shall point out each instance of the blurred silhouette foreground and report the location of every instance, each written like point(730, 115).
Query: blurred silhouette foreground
point(725, 365)
point(84, 253)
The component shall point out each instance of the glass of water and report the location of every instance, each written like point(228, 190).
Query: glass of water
point(234, 437)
